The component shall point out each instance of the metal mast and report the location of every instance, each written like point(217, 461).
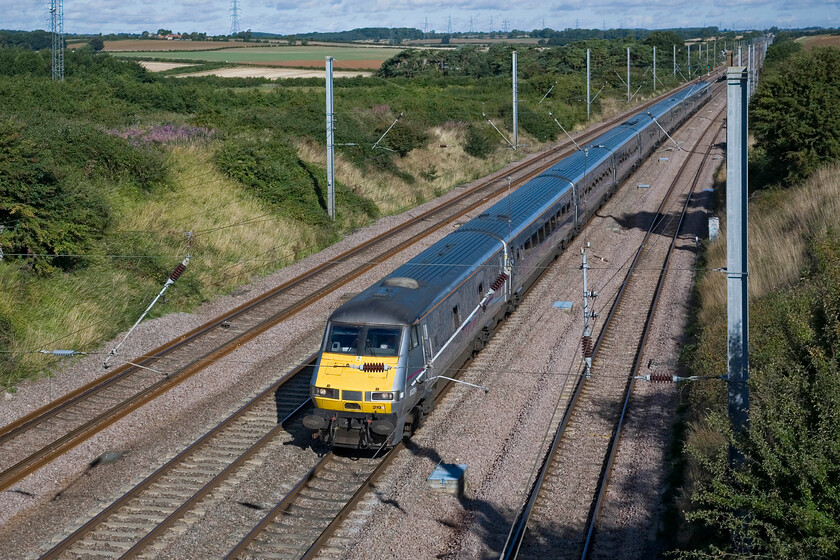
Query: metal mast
point(234, 18)
point(675, 61)
point(628, 74)
point(588, 101)
point(688, 60)
point(57, 30)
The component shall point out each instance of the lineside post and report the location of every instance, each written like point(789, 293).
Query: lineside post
point(330, 141)
point(586, 343)
point(587, 85)
point(737, 79)
point(628, 74)
point(515, 108)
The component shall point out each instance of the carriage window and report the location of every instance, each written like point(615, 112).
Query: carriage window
point(456, 319)
point(415, 338)
point(382, 341)
point(344, 339)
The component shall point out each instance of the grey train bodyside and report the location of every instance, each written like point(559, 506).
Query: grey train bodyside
point(482, 269)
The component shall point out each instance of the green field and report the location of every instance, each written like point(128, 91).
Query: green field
point(270, 54)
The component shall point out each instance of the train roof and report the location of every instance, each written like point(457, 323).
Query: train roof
point(413, 289)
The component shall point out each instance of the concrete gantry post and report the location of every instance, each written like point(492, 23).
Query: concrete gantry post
point(515, 111)
point(654, 68)
point(330, 141)
point(736, 251)
point(588, 101)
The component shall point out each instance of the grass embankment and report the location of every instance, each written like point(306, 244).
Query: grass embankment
point(777, 494)
point(237, 236)
point(790, 485)
point(235, 239)
point(102, 175)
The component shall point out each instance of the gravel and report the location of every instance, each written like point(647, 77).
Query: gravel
point(528, 365)
point(55, 500)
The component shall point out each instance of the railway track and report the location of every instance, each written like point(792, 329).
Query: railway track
point(181, 488)
point(45, 434)
point(307, 517)
point(559, 518)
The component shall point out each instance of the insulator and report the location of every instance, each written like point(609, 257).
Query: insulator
point(586, 346)
point(661, 378)
point(373, 367)
point(497, 283)
point(179, 270)
point(61, 352)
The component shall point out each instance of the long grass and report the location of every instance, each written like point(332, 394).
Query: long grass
point(781, 223)
point(439, 166)
point(234, 239)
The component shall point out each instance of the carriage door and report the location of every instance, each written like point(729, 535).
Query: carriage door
point(416, 359)
point(427, 344)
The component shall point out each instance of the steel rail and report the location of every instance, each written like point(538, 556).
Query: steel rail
point(613, 446)
point(517, 534)
point(289, 499)
point(70, 440)
point(67, 544)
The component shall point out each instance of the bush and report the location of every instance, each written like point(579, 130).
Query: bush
point(795, 114)
point(45, 213)
point(404, 137)
point(480, 142)
point(539, 126)
point(273, 171)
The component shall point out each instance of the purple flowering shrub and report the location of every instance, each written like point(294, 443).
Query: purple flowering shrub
point(166, 134)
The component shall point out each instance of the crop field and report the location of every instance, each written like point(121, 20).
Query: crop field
point(345, 57)
point(821, 41)
point(160, 45)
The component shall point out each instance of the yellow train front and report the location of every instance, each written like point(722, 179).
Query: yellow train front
point(359, 384)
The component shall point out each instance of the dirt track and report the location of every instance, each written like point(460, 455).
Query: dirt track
point(271, 73)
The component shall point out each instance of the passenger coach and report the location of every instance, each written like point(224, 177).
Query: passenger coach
point(385, 349)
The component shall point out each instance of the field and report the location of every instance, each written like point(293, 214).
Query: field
point(821, 41)
point(309, 56)
point(160, 45)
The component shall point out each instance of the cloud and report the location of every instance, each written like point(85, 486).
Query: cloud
point(297, 16)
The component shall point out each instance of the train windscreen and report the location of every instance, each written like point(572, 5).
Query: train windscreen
point(378, 341)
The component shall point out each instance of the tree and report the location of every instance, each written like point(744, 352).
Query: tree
point(796, 113)
point(164, 32)
point(664, 40)
point(97, 44)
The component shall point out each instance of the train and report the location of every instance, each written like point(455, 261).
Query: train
point(385, 350)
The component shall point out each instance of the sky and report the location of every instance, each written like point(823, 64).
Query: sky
point(301, 16)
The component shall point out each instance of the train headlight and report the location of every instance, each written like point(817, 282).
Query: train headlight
point(325, 392)
point(382, 396)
